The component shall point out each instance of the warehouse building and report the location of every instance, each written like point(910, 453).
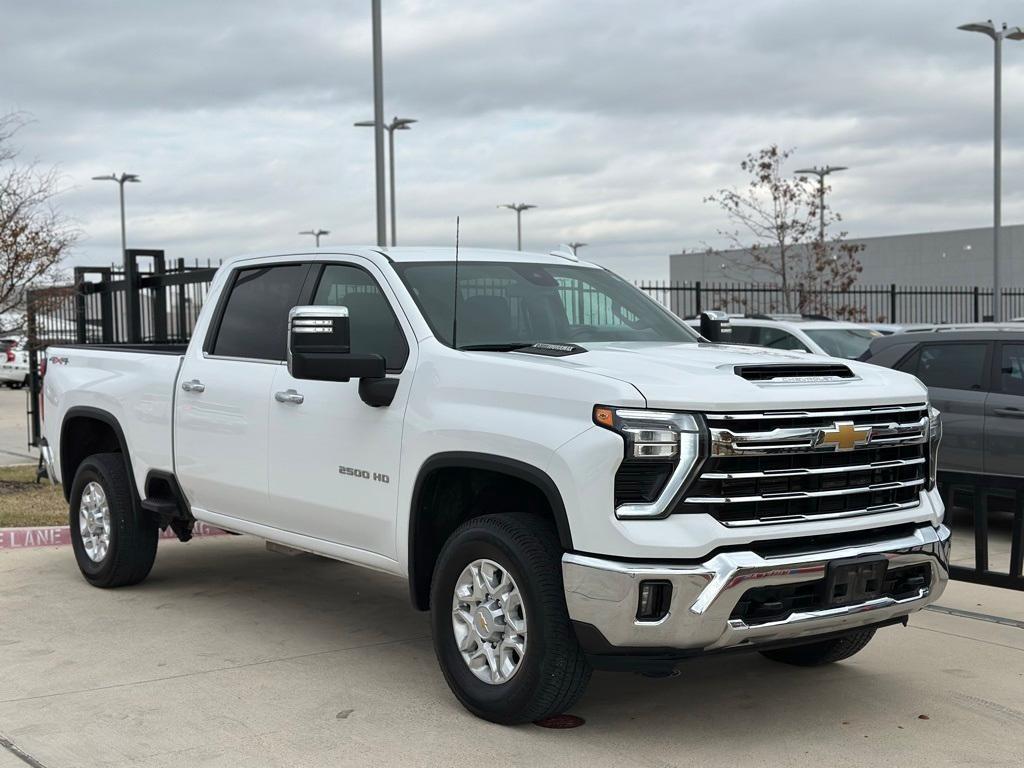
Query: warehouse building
point(961, 257)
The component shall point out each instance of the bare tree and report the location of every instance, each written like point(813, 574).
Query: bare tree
point(776, 232)
point(34, 236)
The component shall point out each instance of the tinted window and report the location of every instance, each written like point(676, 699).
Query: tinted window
point(373, 325)
point(255, 320)
point(776, 338)
point(850, 343)
point(1011, 373)
point(953, 366)
point(743, 334)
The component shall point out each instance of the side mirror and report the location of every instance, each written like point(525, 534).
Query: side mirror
point(319, 347)
point(714, 325)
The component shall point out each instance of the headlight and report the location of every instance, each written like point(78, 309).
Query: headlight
point(934, 438)
point(661, 450)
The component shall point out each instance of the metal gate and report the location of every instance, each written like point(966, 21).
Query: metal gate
point(986, 515)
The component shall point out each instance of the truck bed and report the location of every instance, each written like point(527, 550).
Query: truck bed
point(134, 383)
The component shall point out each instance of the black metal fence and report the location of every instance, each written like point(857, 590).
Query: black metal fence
point(160, 303)
point(880, 304)
point(986, 515)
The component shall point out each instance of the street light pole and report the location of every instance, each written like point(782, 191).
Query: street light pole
point(518, 208)
point(997, 35)
point(378, 119)
point(131, 268)
point(130, 178)
point(317, 233)
point(575, 246)
point(821, 173)
point(397, 124)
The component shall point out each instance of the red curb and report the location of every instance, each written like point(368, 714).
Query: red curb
point(60, 535)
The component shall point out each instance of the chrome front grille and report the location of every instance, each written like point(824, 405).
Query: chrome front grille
point(786, 466)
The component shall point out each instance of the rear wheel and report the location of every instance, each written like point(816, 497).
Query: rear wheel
point(114, 543)
point(501, 631)
point(825, 652)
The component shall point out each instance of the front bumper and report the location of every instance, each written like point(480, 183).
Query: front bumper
point(604, 594)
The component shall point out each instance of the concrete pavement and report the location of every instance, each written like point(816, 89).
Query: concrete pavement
point(231, 655)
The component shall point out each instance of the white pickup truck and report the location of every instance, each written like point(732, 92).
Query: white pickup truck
point(568, 476)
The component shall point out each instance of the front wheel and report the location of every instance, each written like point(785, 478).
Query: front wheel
point(114, 543)
point(825, 652)
point(501, 630)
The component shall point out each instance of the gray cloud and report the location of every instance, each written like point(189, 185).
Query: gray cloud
point(617, 118)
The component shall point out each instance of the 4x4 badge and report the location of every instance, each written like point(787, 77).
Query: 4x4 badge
point(845, 436)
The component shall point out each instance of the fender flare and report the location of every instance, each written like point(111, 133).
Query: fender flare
point(473, 460)
point(89, 412)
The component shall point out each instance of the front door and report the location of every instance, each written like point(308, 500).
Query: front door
point(224, 395)
point(1004, 414)
point(956, 374)
point(334, 461)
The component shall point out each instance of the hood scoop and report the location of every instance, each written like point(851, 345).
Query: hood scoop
point(806, 373)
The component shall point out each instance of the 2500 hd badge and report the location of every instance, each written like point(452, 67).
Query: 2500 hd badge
point(363, 474)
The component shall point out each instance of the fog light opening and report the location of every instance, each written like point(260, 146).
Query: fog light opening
point(654, 600)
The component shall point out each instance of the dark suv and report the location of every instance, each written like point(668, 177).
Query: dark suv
point(975, 377)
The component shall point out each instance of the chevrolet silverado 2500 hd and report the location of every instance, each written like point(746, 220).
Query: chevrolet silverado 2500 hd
point(568, 476)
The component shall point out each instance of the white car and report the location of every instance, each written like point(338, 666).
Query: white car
point(14, 366)
point(833, 338)
point(568, 476)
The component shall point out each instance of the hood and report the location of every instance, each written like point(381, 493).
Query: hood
point(702, 376)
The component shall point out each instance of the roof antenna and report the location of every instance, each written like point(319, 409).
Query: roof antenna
point(455, 305)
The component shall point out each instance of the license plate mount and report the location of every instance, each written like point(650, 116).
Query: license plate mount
point(855, 580)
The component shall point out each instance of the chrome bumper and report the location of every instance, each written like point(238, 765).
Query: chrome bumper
point(604, 594)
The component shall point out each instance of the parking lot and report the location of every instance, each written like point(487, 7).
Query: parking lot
point(231, 655)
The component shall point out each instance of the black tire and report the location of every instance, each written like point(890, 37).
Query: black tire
point(553, 672)
point(825, 652)
point(133, 537)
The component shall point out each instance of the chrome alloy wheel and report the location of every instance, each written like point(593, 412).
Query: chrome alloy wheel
point(94, 521)
point(489, 620)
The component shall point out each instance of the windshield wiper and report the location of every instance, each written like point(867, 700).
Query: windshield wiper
point(545, 348)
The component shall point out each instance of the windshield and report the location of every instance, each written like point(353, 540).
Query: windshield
point(850, 343)
point(509, 304)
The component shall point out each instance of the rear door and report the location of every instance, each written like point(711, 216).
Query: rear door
point(1004, 412)
point(956, 374)
point(334, 460)
point(223, 400)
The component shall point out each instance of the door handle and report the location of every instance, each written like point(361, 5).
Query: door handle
point(289, 396)
point(1017, 413)
point(193, 386)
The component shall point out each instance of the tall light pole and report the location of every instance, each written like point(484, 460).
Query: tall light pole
point(575, 246)
point(821, 173)
point(317, 233)
point(997, 35)
point(378, 121)
point(396, 124)
point(124, 178)
point(518, 208)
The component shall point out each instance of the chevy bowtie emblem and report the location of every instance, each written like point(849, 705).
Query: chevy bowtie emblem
point(845, 436)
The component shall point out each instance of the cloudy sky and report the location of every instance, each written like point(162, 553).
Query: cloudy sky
point(615, 118)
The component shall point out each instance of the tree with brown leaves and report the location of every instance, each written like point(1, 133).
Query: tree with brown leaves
point(776, 232)
point(34, 235)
